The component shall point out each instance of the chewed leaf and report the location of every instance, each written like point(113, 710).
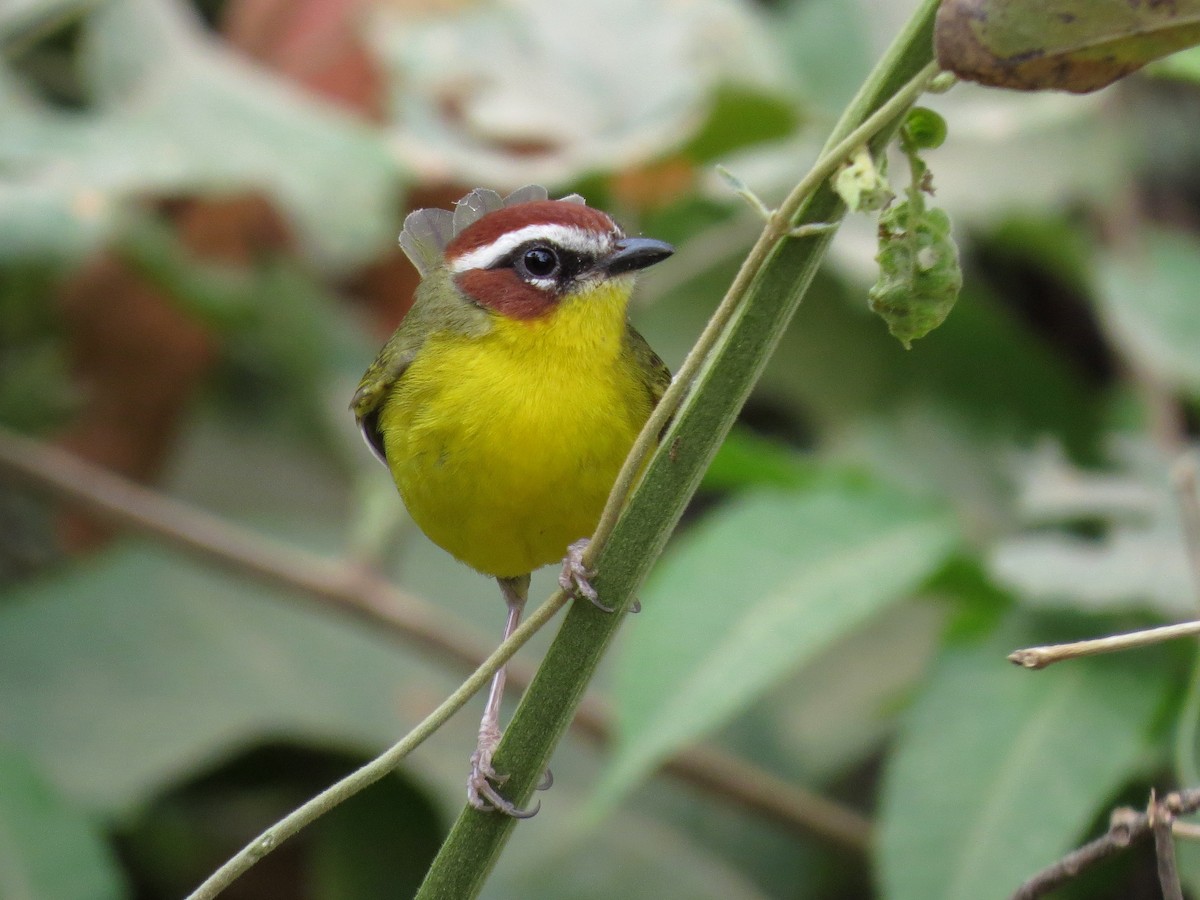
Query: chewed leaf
point(424, 237)
point(861, 184)
point(919, 274)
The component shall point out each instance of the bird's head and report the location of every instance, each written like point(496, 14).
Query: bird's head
point(524, 259)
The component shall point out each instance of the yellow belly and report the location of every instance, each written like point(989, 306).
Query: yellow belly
point(504, 447)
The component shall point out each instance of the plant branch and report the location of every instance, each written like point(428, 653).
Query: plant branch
point(1126, 827)
point(1040, 657)
point(1162, 820)
point(353, 590)
point(710, 391)
point(369, 599)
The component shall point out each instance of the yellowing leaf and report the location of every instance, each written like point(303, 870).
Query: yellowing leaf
point(1069, 45)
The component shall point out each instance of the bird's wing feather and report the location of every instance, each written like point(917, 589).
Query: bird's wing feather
point(438, 307)
point(388, 368)
point(652, 371)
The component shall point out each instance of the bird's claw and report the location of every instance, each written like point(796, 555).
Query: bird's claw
point(575, 579)
point(482, 784)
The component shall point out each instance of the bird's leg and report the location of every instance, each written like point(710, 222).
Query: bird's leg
point(482, 784)
point(575, 578)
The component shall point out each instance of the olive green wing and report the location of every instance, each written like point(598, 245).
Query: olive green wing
point(381, 376)
point(438, 307)
point(653, 372)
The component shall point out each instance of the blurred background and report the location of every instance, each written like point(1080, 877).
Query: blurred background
point(198, 210)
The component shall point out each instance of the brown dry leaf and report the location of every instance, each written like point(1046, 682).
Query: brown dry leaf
point(315, 43)
point(1068, 45)
point(137, 359)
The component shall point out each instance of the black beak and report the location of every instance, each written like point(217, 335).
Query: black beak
point(631, 254)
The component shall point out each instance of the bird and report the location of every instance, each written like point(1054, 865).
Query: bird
point(506, 401)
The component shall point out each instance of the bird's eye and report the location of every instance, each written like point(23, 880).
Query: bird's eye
point(540, 262)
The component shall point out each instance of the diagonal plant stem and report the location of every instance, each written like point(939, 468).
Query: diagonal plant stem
point(731, 353)
point(358, 593)
point(778, 227)
point(381, 765)
point(716, 383)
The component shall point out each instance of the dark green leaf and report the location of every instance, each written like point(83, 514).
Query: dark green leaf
point(128, 670)
point(1149, 293)
point(761, 586)
point(919, 275)
point(998, 770)
point(1073, 45)
point(49, 850)
point(924, 129)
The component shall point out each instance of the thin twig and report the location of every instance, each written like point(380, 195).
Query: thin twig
point(1040, 657)
point(1126, 827)
point(1189, 831)
point(353, 590)
point(358, 592)
point(1161, 819)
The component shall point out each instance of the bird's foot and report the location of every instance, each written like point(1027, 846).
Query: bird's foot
point(483, 782)
point(575, 578)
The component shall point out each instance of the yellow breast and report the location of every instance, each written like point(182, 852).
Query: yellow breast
point(505, 446)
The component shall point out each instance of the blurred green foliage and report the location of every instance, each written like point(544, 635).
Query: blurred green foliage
point(881, 529)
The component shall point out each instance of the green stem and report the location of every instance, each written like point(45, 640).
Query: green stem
point(381, 765)
point(716, 382)
point(777, 227)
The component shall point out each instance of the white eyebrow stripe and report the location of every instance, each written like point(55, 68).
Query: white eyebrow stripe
point(569, 237)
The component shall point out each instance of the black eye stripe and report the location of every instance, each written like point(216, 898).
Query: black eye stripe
point(570, 262)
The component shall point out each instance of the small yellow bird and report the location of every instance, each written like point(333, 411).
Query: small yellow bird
point(508, 398)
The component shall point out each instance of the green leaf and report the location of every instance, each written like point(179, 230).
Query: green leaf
point(747, 459)
point(617, 84)
point(1183, 66)
point(22, 20)
point(828, 46)
point(998, 770)
point(1072, 45)
point(737, 117)
point(761, 586)
point(1133, 552)
point(640, 859)
point(173, 112)
point(861, 185)
point(120, 674)
point(1149, 294)
point(919, 275)
point(49, 850)
point(924, 129)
